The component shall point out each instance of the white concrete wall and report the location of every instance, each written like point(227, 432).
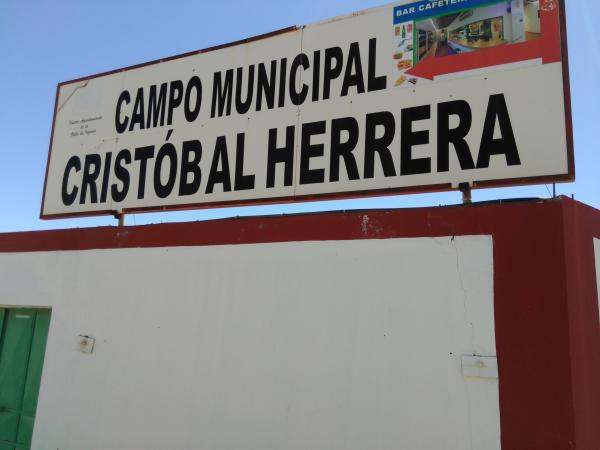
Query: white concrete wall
point(312, 345)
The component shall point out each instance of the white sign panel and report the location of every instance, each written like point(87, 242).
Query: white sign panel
point(410, 97)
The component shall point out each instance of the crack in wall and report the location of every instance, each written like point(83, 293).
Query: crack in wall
point(464, 291)
point(84, 85)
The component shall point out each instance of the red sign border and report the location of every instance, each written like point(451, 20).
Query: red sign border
point(445, 187)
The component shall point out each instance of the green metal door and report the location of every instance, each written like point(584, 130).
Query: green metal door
point(22, 346)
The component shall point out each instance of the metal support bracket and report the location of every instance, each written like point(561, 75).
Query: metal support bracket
point(120, 216)
point(465, 188)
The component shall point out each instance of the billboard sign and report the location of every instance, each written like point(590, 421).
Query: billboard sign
point(411, 97)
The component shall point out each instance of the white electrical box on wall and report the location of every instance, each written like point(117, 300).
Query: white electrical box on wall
point(85, 344)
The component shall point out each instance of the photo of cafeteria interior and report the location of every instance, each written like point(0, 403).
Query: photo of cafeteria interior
point(503, 23)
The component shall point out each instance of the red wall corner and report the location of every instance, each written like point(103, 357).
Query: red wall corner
point(581, 226)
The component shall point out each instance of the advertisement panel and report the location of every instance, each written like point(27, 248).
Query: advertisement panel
point(411, 97)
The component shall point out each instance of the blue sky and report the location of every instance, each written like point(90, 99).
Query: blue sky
point(45, 42)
